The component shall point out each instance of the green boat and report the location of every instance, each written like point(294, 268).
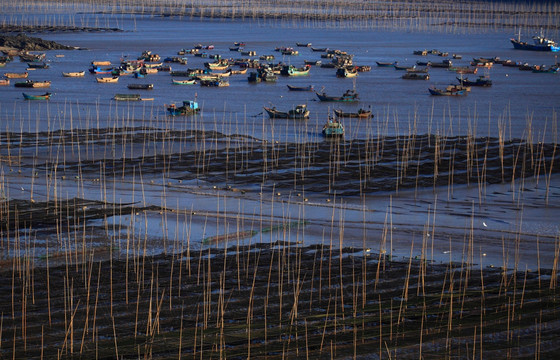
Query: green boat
point(291, 70)
point(45, 96)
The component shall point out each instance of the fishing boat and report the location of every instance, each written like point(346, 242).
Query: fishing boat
point(184, 82)
point(303, 44)
point(254, 77)
point(127, 97)
point(348, 96)
point(12, 75)
point(300, 88)
point(300, 112)
point(415, 76)
point(404, 67)
point(218, 65)
point(290, 51)
point(446, 92)
point(319, 49)
point(443, 64)
point(214, 83)
point(347, 72)
point(540, 43)
point(362, 114)
point(100, 71)
point(363, 68)
point(106, 80)
point(3, 64)
point(41, 65)
point(4, 82)
point(290, 70)
point(420, 52)
point(464, 69)
point(386, 64)
point(188, 108)
point(33, 84)
point(312, 62)
point(74, 74)
point(545, 69)
point(333, 128)
point(239, 72)
point(480, 81)
point(140, 86)
point(45, 96)
point(424, 63)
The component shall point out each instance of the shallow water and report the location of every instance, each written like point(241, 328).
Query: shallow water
point(517, 101)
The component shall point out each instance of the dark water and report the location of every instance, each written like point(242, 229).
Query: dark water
point(520, 103)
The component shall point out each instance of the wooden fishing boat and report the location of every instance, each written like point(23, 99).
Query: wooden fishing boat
point(480, 81)
point(214, 83)
point(420, 52)
point(290, 51)
point(443, 64)
point(239, 72)
point(363, 114)
point(239, 43)
point(184, 82)
point(415, 76)
point(319, 49)
point(457, 56)
point(303, 44)
point(363, 68)
point(140, 86)
point(218, 65)
point(74, 74)
point(300, 88)
point(545, 69)
point(386, 64)
point(300, 112)
point(45, 96)
point(33, 84)
point(267, 57)
point(13, 75)
point(188, 108)
point(347, 72)
point(106, 80)
point(423, 70)
point(446, 92)
point(37, 65)
point(99, 71)
point(348, 96)
point(424, 63)
point(487, 64)
point(4, 82)
point(127, 97)
point(290, 70)
point(333, 128)
point(2, 64)
point(458, 87)
point(100, 63)
point(312, 62)
point(249, 53)
point(405, 67)
point(464, 70)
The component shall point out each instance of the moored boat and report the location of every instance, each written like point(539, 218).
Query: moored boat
point(184, 82)
point(545, 69)
point(106, 80)
point(348, 96)
point(214, 83)
point(333, 128)
point(33, 84)
point(361, 113)
point(140, 86)
point(74, 74)
point(303, 44)
point(188, 108)
point(45, 96)
point(540, 43)
point(415, 76)
point(13, 75)
point(347, 72)
point(100, 63)
point(4, 82)
point(127, 97)
point(41, 65)
point(300, 88)
point(293, 71)
point(446, 92)
point(386, 64)
point(300, 112)
point(480, 81)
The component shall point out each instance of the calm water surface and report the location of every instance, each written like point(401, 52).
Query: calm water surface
point(519, 102)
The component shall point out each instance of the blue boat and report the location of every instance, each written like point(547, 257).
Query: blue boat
point(45, 96)
point(333, 129)
point(540, 43)
point(188, 108)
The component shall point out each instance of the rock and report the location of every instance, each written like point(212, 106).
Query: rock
point(24, 42)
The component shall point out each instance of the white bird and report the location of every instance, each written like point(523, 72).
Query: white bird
point(483, 223)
